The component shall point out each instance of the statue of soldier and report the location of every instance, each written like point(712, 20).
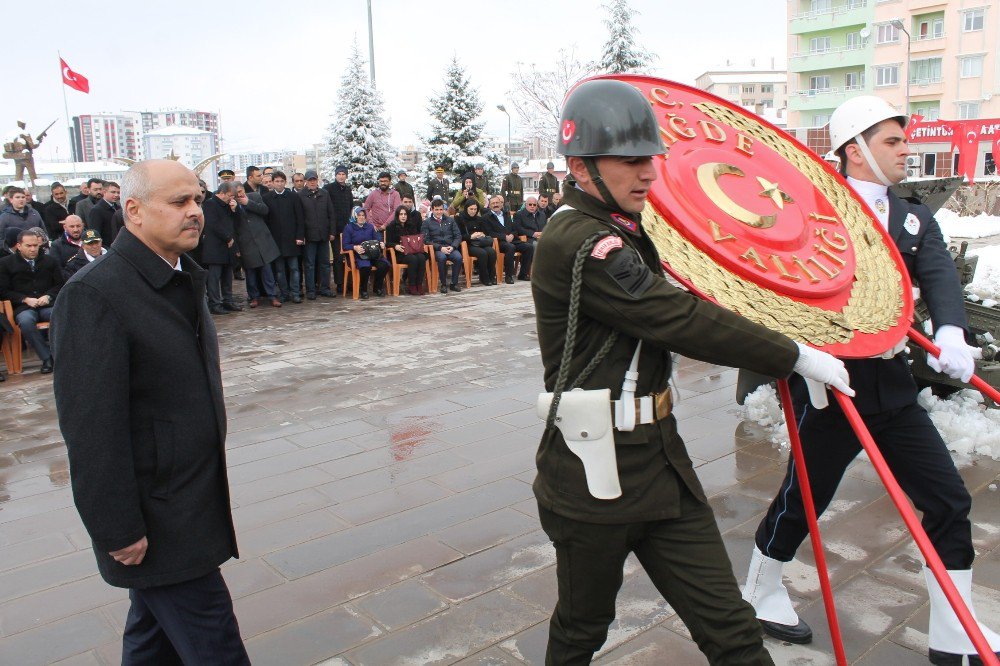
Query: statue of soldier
point(21, 150)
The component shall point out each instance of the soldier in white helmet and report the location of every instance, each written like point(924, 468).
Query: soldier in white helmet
point(868, 137)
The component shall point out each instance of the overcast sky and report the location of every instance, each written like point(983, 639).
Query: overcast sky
point(272, 68)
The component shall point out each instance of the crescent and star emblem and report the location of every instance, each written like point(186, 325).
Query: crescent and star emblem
point(708, 177)
point(69, 77)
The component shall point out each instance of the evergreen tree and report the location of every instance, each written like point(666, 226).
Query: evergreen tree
point(621, 54)
point(358, 137)
point(456, 140)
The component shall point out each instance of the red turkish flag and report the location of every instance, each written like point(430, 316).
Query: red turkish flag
point(913, 123)
point(970, 150)
point(72, 79)
point(957, 136)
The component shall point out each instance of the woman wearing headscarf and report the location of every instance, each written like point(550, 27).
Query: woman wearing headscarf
point(357, 231)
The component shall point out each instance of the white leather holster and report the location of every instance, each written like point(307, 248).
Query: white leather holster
point(584, 419)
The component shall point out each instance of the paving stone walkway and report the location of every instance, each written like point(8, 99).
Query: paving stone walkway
point(381, 455)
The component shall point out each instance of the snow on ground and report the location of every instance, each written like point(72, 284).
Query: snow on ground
point(962, 419)
point(986, 282)
point(980, 226)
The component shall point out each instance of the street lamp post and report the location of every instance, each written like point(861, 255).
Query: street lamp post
point(898, 24)
point(501, 107)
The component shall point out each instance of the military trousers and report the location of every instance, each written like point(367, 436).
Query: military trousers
point(915, 453)
point(687, 562)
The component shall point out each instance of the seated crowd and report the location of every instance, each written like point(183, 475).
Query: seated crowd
point(286, 242)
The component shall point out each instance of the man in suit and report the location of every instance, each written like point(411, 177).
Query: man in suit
point(217, 251)
point(31, 281)
point(101, 217)
point(530, 220)
point(96, 188)
point(869, 137)
point(501, 227)
point(147, 455)
point(623, 308)
point(80, 196)
point(55, 210)
point(342, 200)
point(286, 221)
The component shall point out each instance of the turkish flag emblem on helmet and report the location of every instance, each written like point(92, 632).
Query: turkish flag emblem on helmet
point(568, 130)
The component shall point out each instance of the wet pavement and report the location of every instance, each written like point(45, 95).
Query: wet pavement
point(381, 455)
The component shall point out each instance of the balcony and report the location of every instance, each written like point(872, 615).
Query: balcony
point(852, 12)
point(916, 5)
point(933, 87)
point(926, 44)
point(844, 56)
point(824, 98)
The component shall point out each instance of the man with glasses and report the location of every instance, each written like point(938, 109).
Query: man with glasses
point(530, 220)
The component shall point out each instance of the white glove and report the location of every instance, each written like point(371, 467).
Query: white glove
point(956, 358)
point(821, 370)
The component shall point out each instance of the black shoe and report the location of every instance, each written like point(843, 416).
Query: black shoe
point(296, 299)
point(800, 634)
point(328, 294)
point(364, 295)
point(380, 293)
point(46, 366)
point(238, 275)
point(524, 279)
point(455, 288)
point(443, 288)
point(939, 658)
point(509, 279)
point(311, 297)
point(218, 310)
point(3, 377)
point(232, 307)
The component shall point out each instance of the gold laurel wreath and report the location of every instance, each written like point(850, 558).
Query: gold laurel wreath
point(876, 299)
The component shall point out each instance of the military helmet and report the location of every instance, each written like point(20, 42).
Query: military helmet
point(858, 114)
point(608, 117)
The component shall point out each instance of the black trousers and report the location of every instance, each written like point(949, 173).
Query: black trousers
point(687, 562)
point(220, 284)
point(915, 453)
point(186, 623)
point(416, 267)
point(527, 251)
point(381, 268)
point(486, 262)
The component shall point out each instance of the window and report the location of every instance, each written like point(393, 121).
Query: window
point(928, 112)
point(767, 103)
point(973, 20)
point(821, 5)
point(748, 102)
point(887, 76)
point(749, 90)
point(927, 70)
point(821, 119)
point(930, 164)
point(734, 89)
point(968, 110)
point(819, 44)
point(766, 88)
point(887, 34)
point(854, 80)
point(991, 166)
point(819, 84)
point(930, 29)
point(854, 41)
point(971, 66)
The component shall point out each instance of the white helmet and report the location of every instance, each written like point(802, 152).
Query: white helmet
point(858, 114)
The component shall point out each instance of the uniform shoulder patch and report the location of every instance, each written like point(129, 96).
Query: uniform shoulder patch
point(629, 273)
point(605, 246)
point(624, 222)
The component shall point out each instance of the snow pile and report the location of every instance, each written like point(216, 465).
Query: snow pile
point(986, 282)
point(762, 408)
point(980, 226)
point(964, 422)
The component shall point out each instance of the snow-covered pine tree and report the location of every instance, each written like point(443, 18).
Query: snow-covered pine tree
point(620, 53)
point(358, 137)
point(456, 140)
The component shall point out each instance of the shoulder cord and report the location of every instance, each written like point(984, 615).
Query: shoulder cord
point(571, 324)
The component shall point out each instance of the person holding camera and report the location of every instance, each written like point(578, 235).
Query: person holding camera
point(361, 238)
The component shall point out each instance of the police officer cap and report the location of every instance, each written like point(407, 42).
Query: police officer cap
point(91, 236)
point(608, 117)
point(226, 172)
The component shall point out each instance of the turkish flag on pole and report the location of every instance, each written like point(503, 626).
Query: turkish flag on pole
point(970, 151)
point(72, 79)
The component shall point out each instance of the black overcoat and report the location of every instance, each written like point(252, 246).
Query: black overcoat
point(286, 220)
point(220, 228)
point(138, 390)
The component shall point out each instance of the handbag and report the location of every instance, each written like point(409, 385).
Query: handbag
point(412, 244)
point(485, 241)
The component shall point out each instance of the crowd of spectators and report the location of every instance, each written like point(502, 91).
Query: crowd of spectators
point(288, 243)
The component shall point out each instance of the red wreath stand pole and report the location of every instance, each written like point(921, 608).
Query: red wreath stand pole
point(978, 382)
point(814, 536)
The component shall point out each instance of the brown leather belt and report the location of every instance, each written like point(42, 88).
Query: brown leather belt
point(662, 404)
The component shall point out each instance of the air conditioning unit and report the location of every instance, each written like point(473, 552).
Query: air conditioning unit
point(912, 172)
point(913, 160)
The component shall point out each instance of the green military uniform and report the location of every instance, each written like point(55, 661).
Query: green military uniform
point(548, 185)
point(483, 183)
point(512, 191)
point(440, 188)
point(662, 515)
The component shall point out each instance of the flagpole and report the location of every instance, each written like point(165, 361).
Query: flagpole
point(69, 127)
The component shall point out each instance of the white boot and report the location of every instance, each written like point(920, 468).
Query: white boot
point(769, 598)
point(947, 640)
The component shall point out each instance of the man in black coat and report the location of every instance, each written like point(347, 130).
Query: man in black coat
point(31, 281)
point(55, 211)
point(101, 215)
point(342, 199)
point(530, 221)
point(81, 195)
point(320, 225)
point(500, 226)
point(96, 188)
point(69, 242)
point(286, 220)
point(141, 408)
point(221, 218)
